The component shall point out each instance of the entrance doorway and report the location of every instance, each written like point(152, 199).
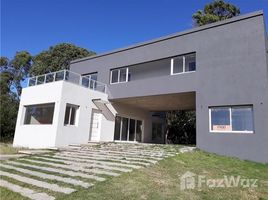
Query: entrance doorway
point(128, 129)
point(95, 125)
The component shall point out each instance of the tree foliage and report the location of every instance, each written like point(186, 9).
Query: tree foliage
point(215, 11)
point(57, 57)
point(12, 74)
point(181, 127)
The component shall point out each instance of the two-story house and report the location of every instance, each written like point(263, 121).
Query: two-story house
point(219, 70)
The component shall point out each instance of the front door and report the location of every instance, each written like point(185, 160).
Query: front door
point(95, 125)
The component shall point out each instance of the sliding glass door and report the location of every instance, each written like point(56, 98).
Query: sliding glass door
point(127, 129)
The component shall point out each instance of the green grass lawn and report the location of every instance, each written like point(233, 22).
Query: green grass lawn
point(161, 181)
point(6, 148)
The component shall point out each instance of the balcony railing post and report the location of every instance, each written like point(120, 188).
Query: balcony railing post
point(28, 82)
point(94, 82)
point(36, 80)
point(64, 74)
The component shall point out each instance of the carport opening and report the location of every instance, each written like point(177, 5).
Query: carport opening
point(173, 119)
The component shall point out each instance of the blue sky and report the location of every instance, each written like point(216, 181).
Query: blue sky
point(98, 25)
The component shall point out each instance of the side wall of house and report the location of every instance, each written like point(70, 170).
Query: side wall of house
point(35, 135)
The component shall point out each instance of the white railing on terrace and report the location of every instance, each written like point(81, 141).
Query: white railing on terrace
point(69, 76)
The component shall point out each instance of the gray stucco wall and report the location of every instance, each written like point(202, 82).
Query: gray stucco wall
point(231, 70)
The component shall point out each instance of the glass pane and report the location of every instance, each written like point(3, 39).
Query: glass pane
point(67, 115)
point(123, 75)
point(242, 119)
point(72, 77)
point(124, 129)
point(32, 81)
point(85, 81)
point(73, 114)
point(94, 76)
point(39, 114)
point(190, 62)
point(220, 119)
point(178, 65)
point(132, 130)
point(49, 78)
point(115, 76)
point(117, 128)
point(93, 84)
point(138, 130)
point(60, 75)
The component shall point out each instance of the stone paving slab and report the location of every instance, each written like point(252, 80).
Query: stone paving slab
point(42, 184)
point(74, 164)
point(26, 192)
point(107, 156)
point(103, 158)
point(70, 173)
point(10, 156)
point(115, 153)
point(47, 176)
point(76, 158)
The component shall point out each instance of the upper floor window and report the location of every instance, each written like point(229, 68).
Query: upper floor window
point(231, 119)
point(182, 64)
point(119, 75)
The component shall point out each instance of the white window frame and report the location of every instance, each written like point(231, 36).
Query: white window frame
point(121, 125)
point(70, 114)
point(230, 115)
point(118, 78)
point(183, 66)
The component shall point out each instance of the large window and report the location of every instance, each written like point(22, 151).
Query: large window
point(231, 119)
point(39, 114)
point(120, 75)
point(70, 114)
point(127, 129)
point(182, 64)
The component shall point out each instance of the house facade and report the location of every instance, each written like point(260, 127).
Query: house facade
point(219, 70)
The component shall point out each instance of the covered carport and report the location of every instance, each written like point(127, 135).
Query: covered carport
point(156, 106)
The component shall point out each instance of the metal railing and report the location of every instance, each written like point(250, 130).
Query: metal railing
point(69, 76)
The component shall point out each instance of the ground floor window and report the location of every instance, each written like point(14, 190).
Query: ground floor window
point(231, 119)
point(70, 114)
point(127, 129)
point(39, 114)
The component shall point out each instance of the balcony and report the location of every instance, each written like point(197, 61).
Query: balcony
point(69, 76)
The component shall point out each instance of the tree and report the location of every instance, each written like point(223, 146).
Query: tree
point(57, 57)
point(215, 11)
point(181, 127)
point(14, 72)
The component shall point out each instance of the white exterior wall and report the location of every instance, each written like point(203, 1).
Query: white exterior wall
point(56, 134)
point(77, 95)
point(38, 136)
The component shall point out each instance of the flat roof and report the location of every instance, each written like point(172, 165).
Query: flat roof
point(174, 35)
